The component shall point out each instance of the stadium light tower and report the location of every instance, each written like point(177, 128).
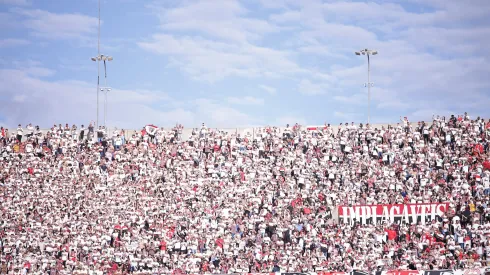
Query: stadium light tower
point(105, 90)
point(368, 52)
point(105, 58)
point(98, 68)
point(99, 58)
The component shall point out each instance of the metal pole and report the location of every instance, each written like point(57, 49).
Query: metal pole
point(105, 109)
point(369, 89)
point(98, 71)
point(105, 94)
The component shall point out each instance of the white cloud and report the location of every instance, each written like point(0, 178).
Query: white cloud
point(19, 98)
point(462, 40)
point(33, 68)
point(287, 16)
point(415, 63)
point(50, 25)
point(320, 50)
point(247, 100)
point(15, 2)
point(291, 120)
point(39, 72)
point(432, 56)
point(13, 42)
point(228, 20)
point(349, 116)
point(268, 89)
point(211, 61)
point(218, 115)
point(356, 99)
point(307, 87)
point(388, 100)
point(276, 4)
point(213, 40)
point(7, 20)
point(46, 102)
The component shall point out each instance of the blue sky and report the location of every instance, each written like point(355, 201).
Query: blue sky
point(234, 63)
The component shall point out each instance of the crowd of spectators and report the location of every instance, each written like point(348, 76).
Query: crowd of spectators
point(86, 201)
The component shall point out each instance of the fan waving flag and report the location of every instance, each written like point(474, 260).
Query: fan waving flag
point(151, 129)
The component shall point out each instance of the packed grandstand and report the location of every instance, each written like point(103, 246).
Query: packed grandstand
point(410, 197)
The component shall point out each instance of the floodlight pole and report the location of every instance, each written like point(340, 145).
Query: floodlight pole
point(104, 58)
point(369, 89)
point(105, 95)
point(98, 71)
point(368, 84)
point(105, 90)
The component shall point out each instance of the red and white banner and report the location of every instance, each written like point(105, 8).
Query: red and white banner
point(399, 213)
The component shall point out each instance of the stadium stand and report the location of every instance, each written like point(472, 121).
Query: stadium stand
point(403, 199)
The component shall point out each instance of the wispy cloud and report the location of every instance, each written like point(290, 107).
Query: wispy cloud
point(227, 20)
point(13, 42)
point(247, 100)
point(33, 68)
point(432, 56)
point(211, 61)
point(15, 2)
point(350, 116)
point(355, 99)
point(45, 24)
point(31, 101)
point(268, 89)
point(291, 120)
point(308, 87)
